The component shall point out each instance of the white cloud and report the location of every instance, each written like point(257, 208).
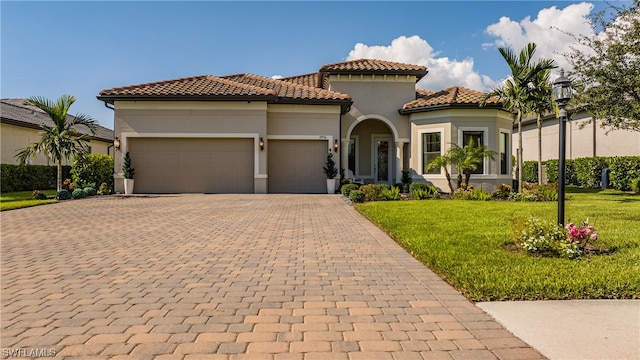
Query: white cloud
point(443, 72)
point(549, 30)
point(277, 77)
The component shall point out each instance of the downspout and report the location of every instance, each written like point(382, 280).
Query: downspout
point(594, 137)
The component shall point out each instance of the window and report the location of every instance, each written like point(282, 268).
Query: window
point(477, 137)
point(504, 153)
point(431, 146)
point(352, 155)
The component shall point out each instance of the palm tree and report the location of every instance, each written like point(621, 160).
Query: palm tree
point(61, 141)
point(541, 104)
point(442, 161)
point(516, 91)
point(468, 158)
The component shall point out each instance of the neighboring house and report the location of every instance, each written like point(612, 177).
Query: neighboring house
point(251, 134)
point(584, 138)
point(21, 124)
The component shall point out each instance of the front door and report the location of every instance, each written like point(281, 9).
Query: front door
point(382, 160)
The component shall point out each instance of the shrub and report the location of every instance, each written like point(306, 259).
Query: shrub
point(551, 167)
point(347, 188)
point(92, 169)
point(542, 238)
point(525, 197)
point(474, 194)
point(503, 191)
point(418, 185)
point(78, 194)
point(406, 177)
point(91, 191)
point(589, 171)
point(404, 188)
point(104, 189)
point(29, 177)
point(423, 191)
point(63, 195)
point(635, 186)
point(67, 185)
point(530, 171)
point(623, 170)
point(357, 196)
point(372, 192)
point(419, 194)
point(391, 193)
point(39, 195)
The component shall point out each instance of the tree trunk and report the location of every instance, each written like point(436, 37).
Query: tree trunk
point(539, 149)
point(519, 152)
point(59, 180)
point(446, 173)
point(467, 177)
point(459, 180)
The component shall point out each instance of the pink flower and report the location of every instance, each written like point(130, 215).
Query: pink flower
point(594, 236)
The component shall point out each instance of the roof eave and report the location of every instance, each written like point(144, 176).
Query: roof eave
point(112, 98)
point(448, 106)
point(418, 73)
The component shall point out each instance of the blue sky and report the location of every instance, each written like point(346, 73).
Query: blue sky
point(80, 48)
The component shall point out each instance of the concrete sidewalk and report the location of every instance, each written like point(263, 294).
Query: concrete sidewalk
point(574, 329)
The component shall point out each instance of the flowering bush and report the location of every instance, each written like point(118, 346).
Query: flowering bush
point(542, 238)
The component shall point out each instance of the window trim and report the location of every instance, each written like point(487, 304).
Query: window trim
point(356, 171)
point(421, 153)
point(508, 150)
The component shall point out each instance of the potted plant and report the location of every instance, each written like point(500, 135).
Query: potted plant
point(330, 171)
point(128, 174)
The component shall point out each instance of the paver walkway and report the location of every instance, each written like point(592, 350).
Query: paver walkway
point(227, 277)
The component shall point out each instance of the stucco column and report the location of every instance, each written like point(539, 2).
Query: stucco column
point(344, 157)
point(399, 160)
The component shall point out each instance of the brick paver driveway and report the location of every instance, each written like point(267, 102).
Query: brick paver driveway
point(227, 277)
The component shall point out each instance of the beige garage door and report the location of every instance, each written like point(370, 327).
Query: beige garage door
point(295, 166)
point(171, 165)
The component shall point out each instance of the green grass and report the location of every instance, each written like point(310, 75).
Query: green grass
point(22, 199)
point(469, 244)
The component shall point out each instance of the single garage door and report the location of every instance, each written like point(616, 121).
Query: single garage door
point(295, 166)
point(188, 165)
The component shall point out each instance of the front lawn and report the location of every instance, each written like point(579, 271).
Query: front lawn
point(468, 244)
point(22, 199)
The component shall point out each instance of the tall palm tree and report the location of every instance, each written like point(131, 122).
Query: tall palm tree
point(62, 140)
point(515, 93)
point(442, 161)
point(541, 104)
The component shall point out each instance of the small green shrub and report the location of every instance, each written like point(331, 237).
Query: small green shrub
point(418, 185)
point(635, 185)
point(530, 171)
point(357, 196)
point(473, 194)
point(372, 192)
point(404, 188)
point(104, 189)
point(39, 195)
point(383, 187)
point(406, 177)
point(92, 169)
point(90, 191)
point(525, 197)
point(78, 194)
point(63, 195)
point(423, 191)
point(542, 238)
point(391, 194)
point(420, 194)
point(347, 188)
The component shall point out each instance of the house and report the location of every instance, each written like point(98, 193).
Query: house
point(584, 138)
point(21, 124)
point(245, 133)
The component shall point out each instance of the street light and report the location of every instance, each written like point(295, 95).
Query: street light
point(562, 94)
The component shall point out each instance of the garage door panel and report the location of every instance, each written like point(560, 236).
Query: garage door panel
point(295, 166)
point(187, 165)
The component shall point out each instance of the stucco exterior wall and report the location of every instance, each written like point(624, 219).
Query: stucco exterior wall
point(15, 138)
point(451, 124)
point(190, 119)
point(579, 140)
point(364, 134)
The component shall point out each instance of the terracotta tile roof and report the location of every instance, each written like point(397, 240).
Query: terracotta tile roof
point(289, 91)
point(313, 80)
point(204, 86)
point(455, 96)
point(15, 112)
point(231, 87)
point(373, 66)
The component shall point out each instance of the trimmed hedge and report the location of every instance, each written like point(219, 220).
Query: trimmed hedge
point(30, 177)
point(92, 169)
point(587, 172)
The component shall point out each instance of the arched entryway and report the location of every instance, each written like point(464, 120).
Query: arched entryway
point(372, 151)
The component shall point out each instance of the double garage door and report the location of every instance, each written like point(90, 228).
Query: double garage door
point(213, 165)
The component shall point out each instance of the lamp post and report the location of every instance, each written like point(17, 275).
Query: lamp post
point(562, 94)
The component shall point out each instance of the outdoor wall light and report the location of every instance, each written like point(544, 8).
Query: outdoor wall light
point(335, 145)
point(116, 144)
point(261, 143)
